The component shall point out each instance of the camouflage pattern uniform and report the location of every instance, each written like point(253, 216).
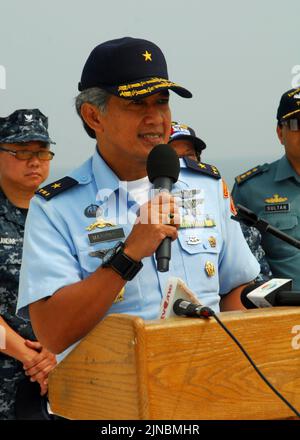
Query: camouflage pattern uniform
point(12, 221)
point(253, 238)
point(24, 126)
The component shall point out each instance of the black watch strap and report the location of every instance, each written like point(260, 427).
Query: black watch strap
point(125, 266)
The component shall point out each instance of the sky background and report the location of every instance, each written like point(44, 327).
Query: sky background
point(237, 58)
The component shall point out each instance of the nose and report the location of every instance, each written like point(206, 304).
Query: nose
point(153, 115)
point(34, 161)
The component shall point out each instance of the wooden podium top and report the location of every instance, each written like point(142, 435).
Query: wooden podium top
point(182, 368)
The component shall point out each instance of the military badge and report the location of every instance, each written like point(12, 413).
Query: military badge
point(192, 240)
point(210, 269)
point(276, 199)
point(212, 241)
point(276, 204)
point(92, 211)
point(120, 296)
point(101, 223)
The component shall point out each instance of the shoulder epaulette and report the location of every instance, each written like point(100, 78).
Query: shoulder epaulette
point(250, 173)
point(54, 188)
point(204, 168)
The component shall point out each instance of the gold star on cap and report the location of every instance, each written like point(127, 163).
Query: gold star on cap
point(56, 185)
point(147, 56)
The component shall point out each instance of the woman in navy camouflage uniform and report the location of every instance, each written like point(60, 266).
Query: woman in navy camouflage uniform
point(24, 165)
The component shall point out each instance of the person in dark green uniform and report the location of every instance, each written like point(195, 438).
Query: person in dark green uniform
point(272, 191)
point(24, 165)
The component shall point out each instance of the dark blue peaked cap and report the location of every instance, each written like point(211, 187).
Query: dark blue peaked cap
point(129, 68)
point(289, 106)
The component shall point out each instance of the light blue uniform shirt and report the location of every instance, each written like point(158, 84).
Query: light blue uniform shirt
point(57, 250)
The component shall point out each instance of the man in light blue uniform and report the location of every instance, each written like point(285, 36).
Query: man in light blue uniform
point(90, 242)
point(272, 191)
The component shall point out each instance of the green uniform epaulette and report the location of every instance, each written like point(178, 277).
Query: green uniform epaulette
point(205, 168)
point(54, 188)
point(250, 173)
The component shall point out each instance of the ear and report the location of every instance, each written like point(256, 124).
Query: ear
point(279, 134)
point(91, 116)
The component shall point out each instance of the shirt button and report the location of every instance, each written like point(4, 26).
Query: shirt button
point(84, 178)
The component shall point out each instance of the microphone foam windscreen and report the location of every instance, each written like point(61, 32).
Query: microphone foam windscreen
point(163, 162)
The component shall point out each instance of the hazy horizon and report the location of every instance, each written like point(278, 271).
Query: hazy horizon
point(237, 58)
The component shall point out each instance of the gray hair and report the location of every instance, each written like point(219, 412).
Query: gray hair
point(95, 96)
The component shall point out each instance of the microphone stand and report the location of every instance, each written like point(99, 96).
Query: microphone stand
point(249, 218)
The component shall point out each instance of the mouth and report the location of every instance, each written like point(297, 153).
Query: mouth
point(152, 139)
point(33, 174)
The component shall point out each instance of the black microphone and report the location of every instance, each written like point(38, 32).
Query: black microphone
point(181, 307)
point(163, 170)
point(273, 293)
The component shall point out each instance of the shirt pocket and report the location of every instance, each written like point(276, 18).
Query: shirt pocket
point(130, 299)
point(91, 257)
point(201, 260)
point(287, 223)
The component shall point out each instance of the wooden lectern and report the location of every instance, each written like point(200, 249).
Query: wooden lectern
point(182, 368)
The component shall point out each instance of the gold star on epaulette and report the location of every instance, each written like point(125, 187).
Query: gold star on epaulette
point(147, 56)
point(51, 190)
point(204, 168)
point(214, 170)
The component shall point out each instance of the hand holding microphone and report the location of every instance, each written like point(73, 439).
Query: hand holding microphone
point(163, 171)
point(156, 225)
point(152, 226)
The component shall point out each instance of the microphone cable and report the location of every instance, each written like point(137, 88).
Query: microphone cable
point(207, 312)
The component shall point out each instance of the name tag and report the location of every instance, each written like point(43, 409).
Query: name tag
point(109, 235)
point(279, 207)
point(7, 240)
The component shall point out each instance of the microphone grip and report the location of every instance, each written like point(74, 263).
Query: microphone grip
point(163, 255)
point(163, 183)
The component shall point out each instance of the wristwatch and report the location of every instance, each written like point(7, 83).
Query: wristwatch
point(121, 263)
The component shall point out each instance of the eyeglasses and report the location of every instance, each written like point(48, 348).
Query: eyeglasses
point(292, 124)
point(27, 154)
